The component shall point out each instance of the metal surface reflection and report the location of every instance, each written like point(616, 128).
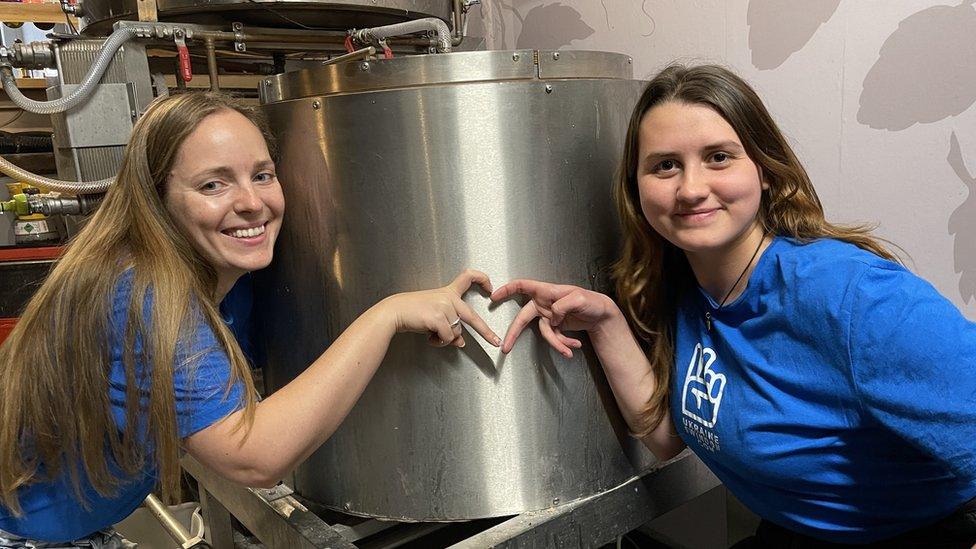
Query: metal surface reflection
point(400, 189)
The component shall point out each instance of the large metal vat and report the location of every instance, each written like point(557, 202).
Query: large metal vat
point(400, 173)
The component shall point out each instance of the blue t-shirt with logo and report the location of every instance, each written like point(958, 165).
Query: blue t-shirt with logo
point(51, 510)
point(835, 397)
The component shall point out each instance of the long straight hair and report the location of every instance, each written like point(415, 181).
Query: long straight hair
point(652, 273)
point(55, 414)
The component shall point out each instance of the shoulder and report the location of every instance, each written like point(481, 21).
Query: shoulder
point(829, 255)
point(819, 268)
point(829, 283)
point(829, 267)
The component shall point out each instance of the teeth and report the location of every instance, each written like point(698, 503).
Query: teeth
point(247, 233)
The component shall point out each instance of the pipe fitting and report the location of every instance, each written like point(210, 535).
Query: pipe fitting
point(63, 205)
point(440, 30)
point(34, 55)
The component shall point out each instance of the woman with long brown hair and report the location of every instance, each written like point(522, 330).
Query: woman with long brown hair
point(122, 359)
point(829, 388)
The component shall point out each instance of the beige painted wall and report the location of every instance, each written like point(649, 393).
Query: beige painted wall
point(870, 92)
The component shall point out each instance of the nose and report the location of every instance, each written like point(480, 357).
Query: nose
point(247, 198)
point(693, 185)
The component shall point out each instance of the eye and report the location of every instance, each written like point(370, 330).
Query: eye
point(210, 186)
point(720, 157)
point(664, 167)
point(264, 177)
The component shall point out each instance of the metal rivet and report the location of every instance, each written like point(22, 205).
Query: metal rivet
point(548, 88)
point(316, 104)
point(630, 60)
point(347, 506)
point(364, 66)
point(555, 501)
point(555, 55)
point(267, 82)
point(515, 57)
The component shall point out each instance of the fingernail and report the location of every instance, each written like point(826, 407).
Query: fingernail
point(497, 341)
point(461, 344)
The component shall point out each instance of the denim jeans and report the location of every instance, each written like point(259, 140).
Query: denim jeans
point(103, 539)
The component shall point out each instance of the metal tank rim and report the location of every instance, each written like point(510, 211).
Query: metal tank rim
point(334, 14)
point(442, 69)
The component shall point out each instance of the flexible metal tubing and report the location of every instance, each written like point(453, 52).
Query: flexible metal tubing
point(105, 56)
point(111, 46)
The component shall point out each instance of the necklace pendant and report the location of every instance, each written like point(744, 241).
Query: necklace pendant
point(708, 321)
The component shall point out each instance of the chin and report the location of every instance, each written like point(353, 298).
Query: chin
point(697, 243)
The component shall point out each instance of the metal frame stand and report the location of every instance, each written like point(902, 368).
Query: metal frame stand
point(279, 520)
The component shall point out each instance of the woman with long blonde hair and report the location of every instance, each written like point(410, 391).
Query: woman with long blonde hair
point(830, 389)
point(122, 359)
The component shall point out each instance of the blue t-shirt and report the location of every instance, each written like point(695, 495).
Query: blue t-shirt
point(835, 397)
point(200, 377)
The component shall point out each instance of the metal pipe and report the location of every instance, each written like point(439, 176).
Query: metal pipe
point(167, 520)
point(226, 36)
point(212, 63)
point(429, 24)
point(364, 53)
point(457, 20)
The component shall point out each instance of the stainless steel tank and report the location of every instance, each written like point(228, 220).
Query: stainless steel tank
point(325, 14)
point(400, 173)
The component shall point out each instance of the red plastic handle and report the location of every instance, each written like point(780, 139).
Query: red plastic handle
point(186, 70)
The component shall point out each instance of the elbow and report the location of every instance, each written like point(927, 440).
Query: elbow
point(256, 477)
point(665, 451)
point(665, 454)
point(265, 482)
point(259, 479)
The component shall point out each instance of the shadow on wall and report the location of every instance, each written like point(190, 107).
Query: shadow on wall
point(549, 26)
point(926, 70)
point(780, 28)
point(962, 224)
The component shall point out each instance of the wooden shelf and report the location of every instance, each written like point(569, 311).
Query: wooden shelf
point(17, 12)
point(32, 83)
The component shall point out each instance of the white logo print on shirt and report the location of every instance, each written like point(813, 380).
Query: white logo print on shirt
point(703, 388)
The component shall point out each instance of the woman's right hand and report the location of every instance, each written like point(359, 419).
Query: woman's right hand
point(559, 308)
point(439, 312)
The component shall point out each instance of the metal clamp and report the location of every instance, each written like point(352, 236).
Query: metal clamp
point(239, 44)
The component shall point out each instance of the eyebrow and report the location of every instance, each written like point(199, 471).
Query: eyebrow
point(224, 171)
point(728, 145)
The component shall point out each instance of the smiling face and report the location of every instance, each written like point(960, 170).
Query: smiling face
point(223, 192)
point(698, 187)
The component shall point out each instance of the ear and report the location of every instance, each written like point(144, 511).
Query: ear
point(762, 179)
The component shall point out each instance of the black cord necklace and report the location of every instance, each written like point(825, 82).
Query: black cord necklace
point(708, 314)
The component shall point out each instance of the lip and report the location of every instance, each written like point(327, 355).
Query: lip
point(247, 240)
point(698, 215)
point(244, 227)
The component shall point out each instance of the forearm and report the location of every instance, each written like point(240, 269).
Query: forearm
point(632, 381)
point(296, 419)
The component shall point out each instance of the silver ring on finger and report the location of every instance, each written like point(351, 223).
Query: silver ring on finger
point(456, 323)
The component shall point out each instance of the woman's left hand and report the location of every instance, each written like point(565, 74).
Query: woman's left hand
point(439, 312)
